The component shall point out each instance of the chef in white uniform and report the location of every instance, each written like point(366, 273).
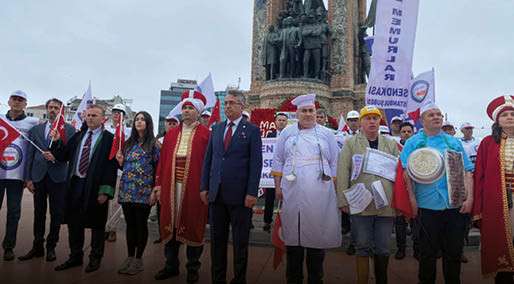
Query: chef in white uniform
point(304, 167)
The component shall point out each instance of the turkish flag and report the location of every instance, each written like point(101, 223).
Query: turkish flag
point(7, 135)
point(58, 124)
point(278, 243)
point(215, 116)
point(401, 200)
point(119, 139)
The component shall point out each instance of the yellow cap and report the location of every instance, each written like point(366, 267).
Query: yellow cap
point(367, 110)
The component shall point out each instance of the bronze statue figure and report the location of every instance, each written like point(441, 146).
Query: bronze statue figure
point(298, 45)
point(270, 52)
point(291, 42)
point(325, 51)
point(295, 7)
point(311, 37)
point(314, 7)
point(364, 55)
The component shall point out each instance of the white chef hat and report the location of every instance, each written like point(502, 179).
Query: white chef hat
point(304, 101)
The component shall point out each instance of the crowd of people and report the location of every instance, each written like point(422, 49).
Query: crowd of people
point(329, 183)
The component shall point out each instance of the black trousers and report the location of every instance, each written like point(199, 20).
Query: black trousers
point(222, 217)
point(504, 278)
point(171, 251)
point(136, 216)
point(47, 192)
point(294, 266)
point(269, 205)
point(346, 225)
point(14, 191)
point(76, 226)
point(440, 230)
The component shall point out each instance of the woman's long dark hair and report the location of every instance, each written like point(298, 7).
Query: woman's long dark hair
point(497, 132)
point(148, 140)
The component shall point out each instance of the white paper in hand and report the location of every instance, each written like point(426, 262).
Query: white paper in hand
point(356, 165)
point(379, 195)
point(358, 198)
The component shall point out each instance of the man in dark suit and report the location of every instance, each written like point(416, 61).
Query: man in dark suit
point(269, 201)
point(46, 180)
point(90, 183)
point(230, 180)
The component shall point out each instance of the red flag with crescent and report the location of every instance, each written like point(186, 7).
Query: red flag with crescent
point(58, 124)
point(401, 200)
point(278, 242)
point(216, 116)
point(7, 135)
point(119, 138)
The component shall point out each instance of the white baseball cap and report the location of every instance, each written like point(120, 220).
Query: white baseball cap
point(383, 129)
point(448, 123)
point(427, 107)
point(466, 125)
point(172, 117)
point(396, 118)
point(353, 114)
point(19, 93)
point(119, 107)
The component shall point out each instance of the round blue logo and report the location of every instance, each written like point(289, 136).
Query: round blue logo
point(12, 158)
point(419, 90)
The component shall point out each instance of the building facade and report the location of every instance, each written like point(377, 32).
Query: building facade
point(70, 107)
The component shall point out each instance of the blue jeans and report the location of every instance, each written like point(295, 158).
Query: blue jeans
point(14, 191)
point(371, 234)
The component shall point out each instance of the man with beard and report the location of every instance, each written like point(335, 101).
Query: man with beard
point(183, 215)
point(46, 179)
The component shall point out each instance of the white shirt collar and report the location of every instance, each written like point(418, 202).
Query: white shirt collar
point(235, 122)
point(96, 131)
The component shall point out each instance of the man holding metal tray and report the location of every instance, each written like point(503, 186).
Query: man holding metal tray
point(438, 176)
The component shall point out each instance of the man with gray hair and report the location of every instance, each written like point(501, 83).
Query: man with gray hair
point(12, 169)
point(230, 181)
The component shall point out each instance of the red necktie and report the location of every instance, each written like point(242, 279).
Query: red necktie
point(84, 157)
point(228, 136)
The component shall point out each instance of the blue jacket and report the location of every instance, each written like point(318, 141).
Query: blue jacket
point(37, 166)
point(237, 171)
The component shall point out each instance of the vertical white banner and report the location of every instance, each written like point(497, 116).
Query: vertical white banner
point(393, 48)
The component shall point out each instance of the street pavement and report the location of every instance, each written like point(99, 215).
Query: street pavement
point(339, 267)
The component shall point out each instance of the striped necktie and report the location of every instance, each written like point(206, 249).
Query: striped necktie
point(84, 157)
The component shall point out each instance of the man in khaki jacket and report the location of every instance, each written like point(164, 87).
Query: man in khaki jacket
point(371, 228)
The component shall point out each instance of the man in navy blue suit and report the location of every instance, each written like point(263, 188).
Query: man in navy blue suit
point(230, 180)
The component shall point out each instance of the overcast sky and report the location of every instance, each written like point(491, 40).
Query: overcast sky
point(135, 49)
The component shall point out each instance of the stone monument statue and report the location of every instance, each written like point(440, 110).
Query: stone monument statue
point(304, 34)
point(313, 47)
point(291, 41)
point(271, 52)
point(311, 38)
point(325, 50)
point(295, 7)
point(364, 55)
point(314, 7)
